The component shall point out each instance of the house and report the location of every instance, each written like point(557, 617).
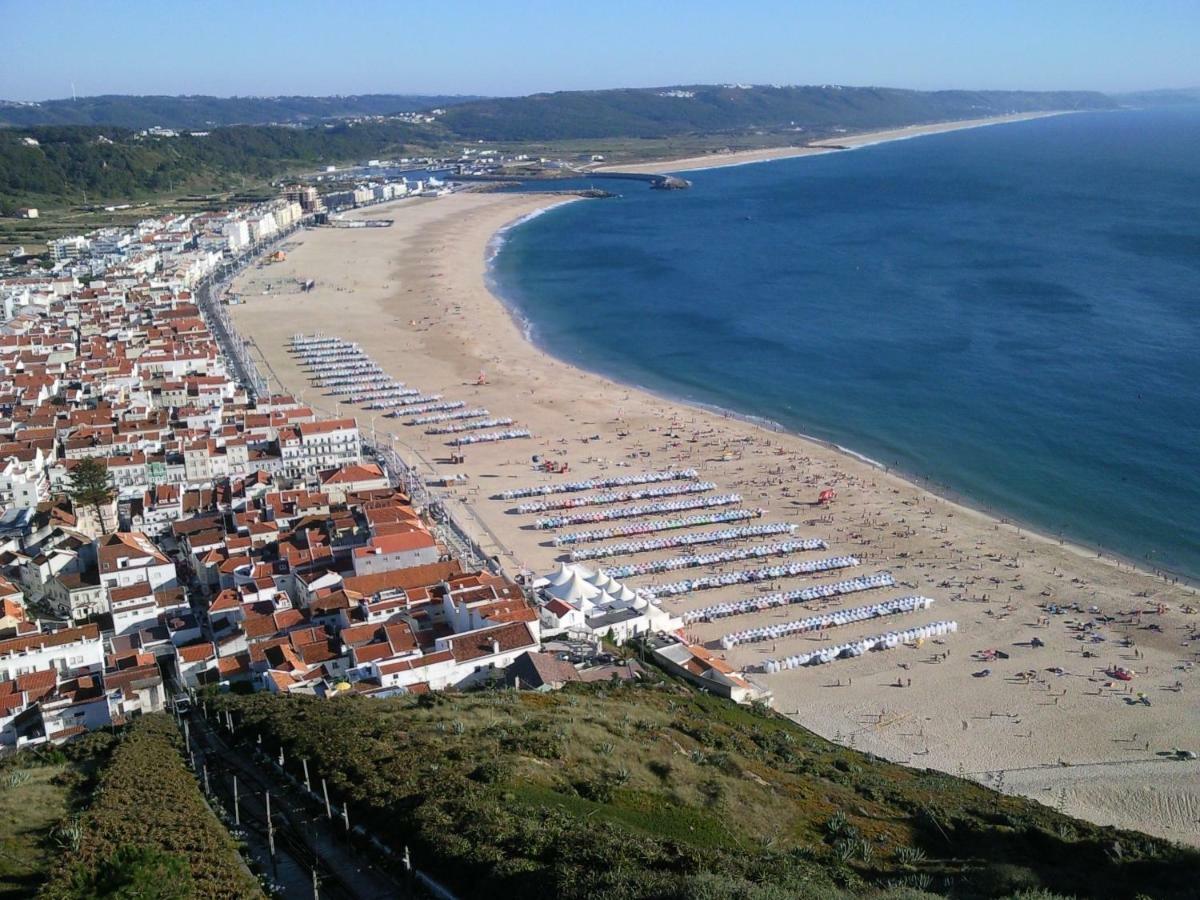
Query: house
point(539, 672)
point(337, 483)
point(389, 552)
point(129, 557)
point(67, 650)
point(77, 596)
point(705, 670)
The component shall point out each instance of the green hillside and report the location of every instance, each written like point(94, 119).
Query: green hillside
point(657, 112)
point(148, 831)
point(109, 162)
point(199, 112)
point(656, 791)
point(116, 164)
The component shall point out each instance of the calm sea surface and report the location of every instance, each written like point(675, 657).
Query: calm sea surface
point(1012, 312)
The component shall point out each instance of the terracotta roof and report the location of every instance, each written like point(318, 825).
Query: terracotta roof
point(478, 644)
point(50, 639)
point(196, 652)
point(404, 579)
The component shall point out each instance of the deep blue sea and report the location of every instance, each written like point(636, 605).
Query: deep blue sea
point(1011, 312)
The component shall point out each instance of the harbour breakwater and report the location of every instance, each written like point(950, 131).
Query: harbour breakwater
point(656, 182)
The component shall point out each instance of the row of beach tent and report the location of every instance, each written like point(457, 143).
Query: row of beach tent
point(749, 576)
point(418, 408)
point(468, 426)
point(720, 536)
point(591, 484)
point(735, 554)
point(635, 512)
point(785, 598)
point(674, 490)
point(489, 437)
point(628, 529)
point(433, 418)
point(857, 648)
point(345, 371)
point(780, 630)
point(406, 406)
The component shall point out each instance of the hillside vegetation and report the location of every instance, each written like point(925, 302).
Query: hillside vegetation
point(109, 162)
point(117, 164)
point(40, 790)
point(200, 112)
point(657, 112)
point(659, 792)
point(148, 831)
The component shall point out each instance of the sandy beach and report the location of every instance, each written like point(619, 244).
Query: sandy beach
point(1049, 718)
point(830, 145)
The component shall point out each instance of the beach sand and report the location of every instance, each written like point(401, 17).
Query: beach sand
point(828, 145)
point(414, 296)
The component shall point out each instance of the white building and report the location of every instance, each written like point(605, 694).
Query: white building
point(578, 599)
point(68, 650)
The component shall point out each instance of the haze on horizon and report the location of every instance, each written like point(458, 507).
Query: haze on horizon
point(317, 47)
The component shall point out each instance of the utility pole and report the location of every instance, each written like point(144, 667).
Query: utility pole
point(237, 812)
point(307, 783)
point(325, 791)
point(270, 830)
point(346, 817)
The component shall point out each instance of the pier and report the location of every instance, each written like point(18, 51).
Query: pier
point(657, 182)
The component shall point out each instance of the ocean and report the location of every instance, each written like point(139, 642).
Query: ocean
point(1011, 313)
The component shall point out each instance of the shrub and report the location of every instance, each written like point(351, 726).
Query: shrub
point(149, 817)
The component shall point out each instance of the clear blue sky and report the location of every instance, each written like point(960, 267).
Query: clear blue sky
point(263, 47)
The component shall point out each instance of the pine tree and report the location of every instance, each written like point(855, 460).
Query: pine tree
point(90, 488)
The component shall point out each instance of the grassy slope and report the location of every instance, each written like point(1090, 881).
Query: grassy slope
point(28, 812)
point(40, 789)
point(661, 792)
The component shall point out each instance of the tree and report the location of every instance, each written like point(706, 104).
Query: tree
point(90, 488)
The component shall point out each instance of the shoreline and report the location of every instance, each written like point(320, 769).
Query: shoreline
point(415, 296)
point(722, 160)
point(1084, 549)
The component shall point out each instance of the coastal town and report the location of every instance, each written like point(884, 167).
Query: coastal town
point(298, 448)
point(305, 512)
point(238, 537)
